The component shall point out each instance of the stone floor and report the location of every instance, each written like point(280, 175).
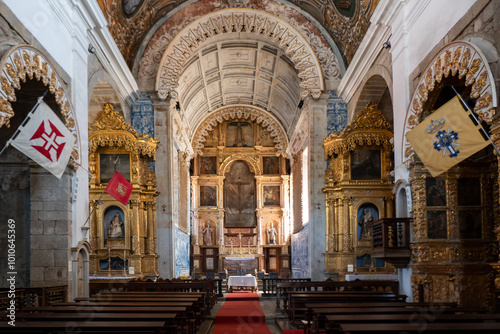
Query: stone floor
point(275, 321)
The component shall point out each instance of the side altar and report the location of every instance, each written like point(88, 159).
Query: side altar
point(122, 237)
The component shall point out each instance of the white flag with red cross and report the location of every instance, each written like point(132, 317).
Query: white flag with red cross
point(46, 140)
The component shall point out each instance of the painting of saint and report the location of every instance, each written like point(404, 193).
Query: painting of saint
point(239, 196)
point(239, 134)
point(271, 165)
point(208, 165)
point(208, 195)
point(114, 227)
point(437, 227)
point(367, 214)
point(111, 163)
point(271, 195)
point(435, 191)
point(365, 165)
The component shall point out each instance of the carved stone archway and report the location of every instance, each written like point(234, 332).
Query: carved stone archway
point(467, 60)
point(239, 20)
point(243, 112)
point(24, 61)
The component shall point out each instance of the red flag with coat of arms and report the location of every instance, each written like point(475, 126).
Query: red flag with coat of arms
point(46, 140)
point(119, 188)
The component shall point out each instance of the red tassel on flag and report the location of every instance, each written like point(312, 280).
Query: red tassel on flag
point(119, 188)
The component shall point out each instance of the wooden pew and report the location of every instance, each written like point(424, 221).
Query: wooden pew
point(83, 326)
point(430, 328)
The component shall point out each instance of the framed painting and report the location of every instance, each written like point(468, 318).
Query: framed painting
point(270, 165)
point(239, 196)
point(437, 226)
point(469, 223)
point(365, 165)
point(239, 134)
point(271, 195)
point(435, 191)
point(208, 165)
point(111, 163)
point(208, 195)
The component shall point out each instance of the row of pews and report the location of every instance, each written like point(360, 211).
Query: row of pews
point(371, 307)
point(125, 311)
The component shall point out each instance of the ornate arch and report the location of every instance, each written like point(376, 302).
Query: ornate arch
point(252, 162)
point(242, 112)
point(25, 60)
point(239, 20)
point(467, 60)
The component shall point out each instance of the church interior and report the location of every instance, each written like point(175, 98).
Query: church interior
point(269, 139)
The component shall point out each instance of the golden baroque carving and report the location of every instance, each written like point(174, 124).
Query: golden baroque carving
point(22, 62)
point(370, 128)
point(236, 20)
point(466, 60)
point(111, 129)
point(266, 120)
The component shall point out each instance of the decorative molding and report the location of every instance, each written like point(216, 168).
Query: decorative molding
point(27, 61)
point(369, 128)
point(252, 113)
point(466, 60)
point(293, 44)
point(111, 129)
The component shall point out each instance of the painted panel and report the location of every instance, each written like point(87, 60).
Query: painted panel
point(239, 196)
point(300, 254)
point(181, 253)
point(336, 114)
point(142, 114)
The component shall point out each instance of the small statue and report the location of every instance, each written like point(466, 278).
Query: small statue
point(115, 229)
point(207, 234)
point(272, 234)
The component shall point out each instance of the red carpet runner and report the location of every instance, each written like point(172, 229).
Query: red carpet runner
point(241, 314)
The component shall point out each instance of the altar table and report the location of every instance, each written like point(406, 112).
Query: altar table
point(241, 282)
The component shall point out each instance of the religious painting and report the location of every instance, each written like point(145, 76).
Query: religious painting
point(208, 165)
point(183, 184)
point(271, 195)
point(365, 165)
point(469, 223)
point(469, 191)
point(345, 7)
point(239, 134)
point(111, 163)
point(437, 226)
point(364, 261)
point(435, 191)
point(117, 263)
point(114, 223)
point(239, 196)
point(131, 7)
point(266, 140)
point(367, 214)
point(271, 165)
point(208, 195)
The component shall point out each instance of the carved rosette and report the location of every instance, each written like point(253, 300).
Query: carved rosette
point(241, 112)
point(22, 62)
point(276, 29)
point(466, 60)
point(111, 129)
point(370, 128)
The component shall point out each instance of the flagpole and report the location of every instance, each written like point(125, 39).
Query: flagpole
point(24, 121)
point(477, 120)
point(95, 205)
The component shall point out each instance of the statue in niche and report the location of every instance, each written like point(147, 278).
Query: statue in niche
point(365, 222)
point(115, 229)
point(207, 234)
point(272, 234)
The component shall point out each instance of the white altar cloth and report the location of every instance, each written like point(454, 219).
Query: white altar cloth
point(248, 281)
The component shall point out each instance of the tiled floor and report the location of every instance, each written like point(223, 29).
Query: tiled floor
point(268, 307)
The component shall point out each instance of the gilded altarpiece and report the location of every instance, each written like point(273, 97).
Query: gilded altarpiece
point(122, 236)
point(240, 192)
point(358, 192)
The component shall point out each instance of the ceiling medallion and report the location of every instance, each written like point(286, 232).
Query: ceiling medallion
point(466, 60)
point(293, 44)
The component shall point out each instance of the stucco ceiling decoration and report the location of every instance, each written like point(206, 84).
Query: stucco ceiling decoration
point(25, 61)
point(466, 60)
point(293, 44)
point(241, 113)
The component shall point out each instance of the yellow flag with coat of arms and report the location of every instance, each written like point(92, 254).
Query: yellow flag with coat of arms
point(446, 137)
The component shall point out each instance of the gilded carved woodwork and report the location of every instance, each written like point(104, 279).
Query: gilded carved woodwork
point(113, 142)
point(355, 200)
point(267, 25)
point(457, 58)
point(27, 62)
